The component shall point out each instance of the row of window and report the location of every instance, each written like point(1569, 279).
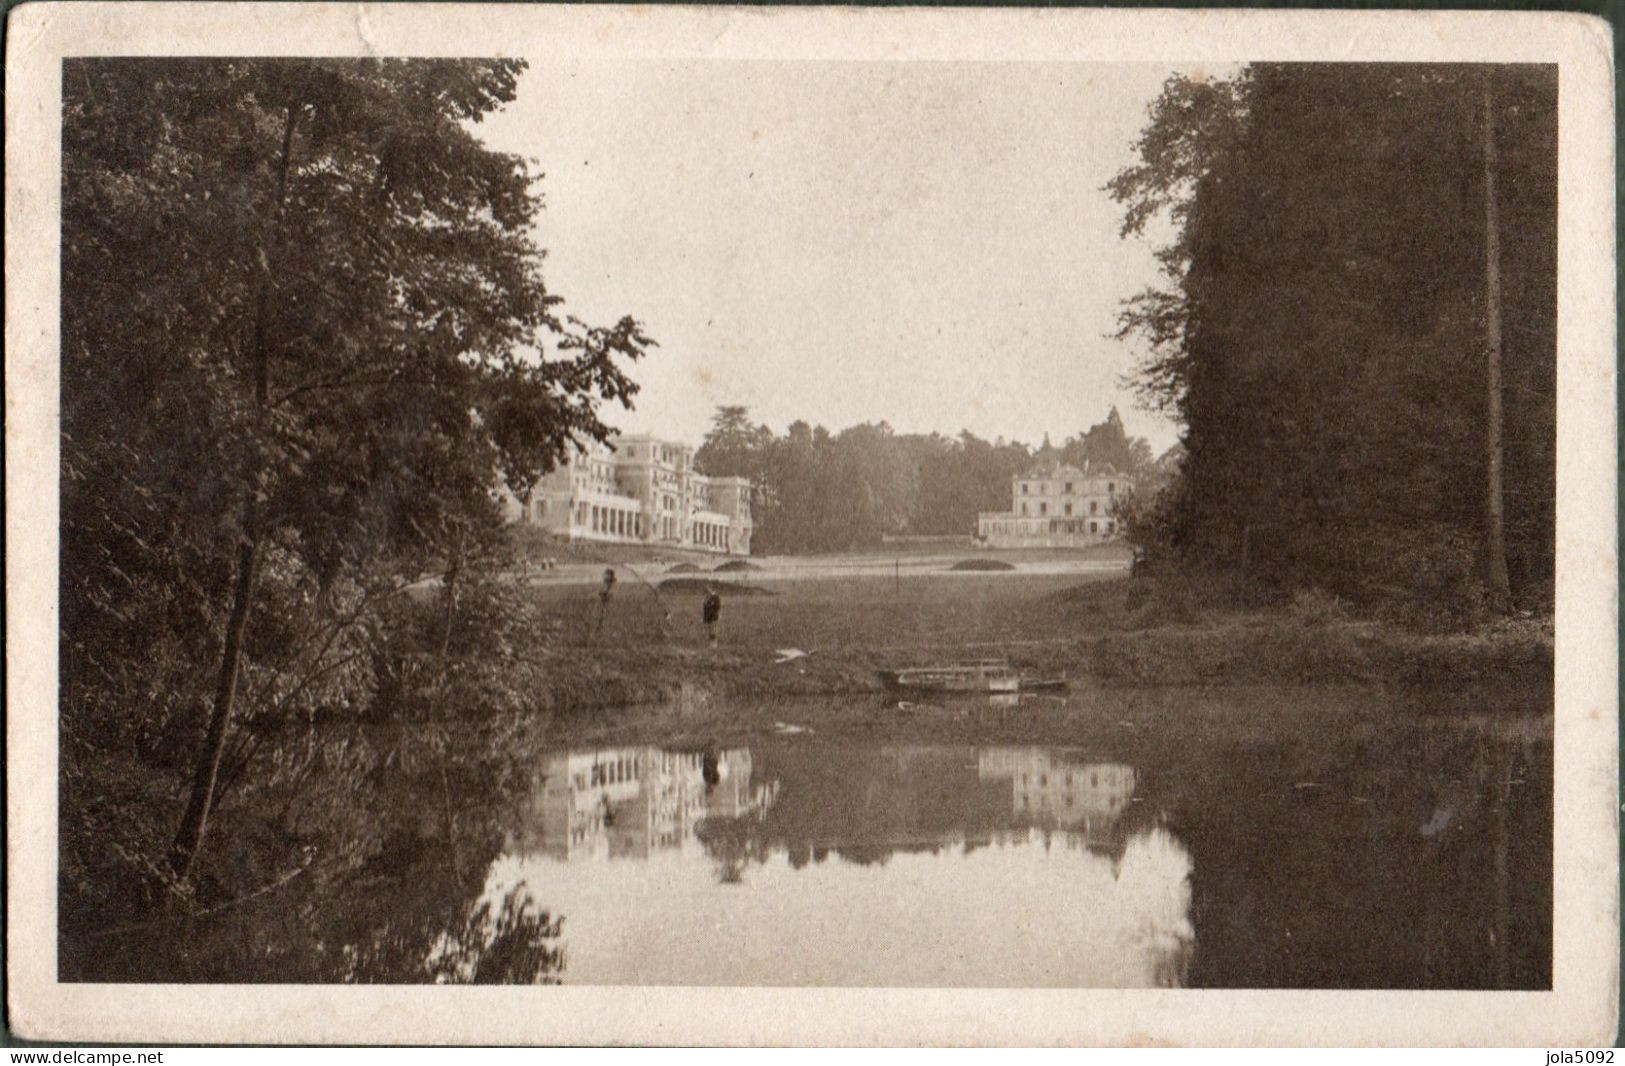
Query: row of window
point(1056, 525)
point(608, 773)
point(625, 766)
point(665, 481)
point(1066, 490)
point(659, 453)
point(1094, 779)
point(1043, 508)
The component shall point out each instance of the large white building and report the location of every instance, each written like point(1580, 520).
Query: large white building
point(631, 802)
point(640, 490)
point(1056, 505)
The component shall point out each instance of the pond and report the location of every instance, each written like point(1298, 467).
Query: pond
point(800, 861)
point(1248, 838)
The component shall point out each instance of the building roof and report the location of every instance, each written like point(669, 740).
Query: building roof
point(1054, 470)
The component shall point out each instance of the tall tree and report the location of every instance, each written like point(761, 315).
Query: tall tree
point(1495, 517)
point(733, 447)
point(1107, 443)
point(304, 331)
point(1319, 332)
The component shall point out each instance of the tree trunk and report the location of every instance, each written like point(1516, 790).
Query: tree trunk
point(449, 606)
point(1495, 512)
point(196, 819)
point(195, 822)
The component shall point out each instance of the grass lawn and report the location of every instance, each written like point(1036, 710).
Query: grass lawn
point(914, 613)
point(1100, 628)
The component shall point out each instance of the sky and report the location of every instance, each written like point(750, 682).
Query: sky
point(924, 243)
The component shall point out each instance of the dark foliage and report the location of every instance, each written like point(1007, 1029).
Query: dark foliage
point(813, 491)
point(1321, 333)
point(304, 331)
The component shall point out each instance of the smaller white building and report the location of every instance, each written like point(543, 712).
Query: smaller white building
point(1056, 505)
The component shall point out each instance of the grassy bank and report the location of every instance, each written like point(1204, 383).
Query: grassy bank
point(1104, 631)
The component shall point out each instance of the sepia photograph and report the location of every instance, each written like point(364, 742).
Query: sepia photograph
point(973, 524)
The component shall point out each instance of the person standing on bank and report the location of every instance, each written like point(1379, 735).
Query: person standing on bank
point(710, 611)
point(603, 598)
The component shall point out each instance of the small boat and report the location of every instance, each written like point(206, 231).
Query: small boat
point(1044, 684)
point(983, 675)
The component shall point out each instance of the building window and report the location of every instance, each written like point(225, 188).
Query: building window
point(1069, 488)
point(1023, 506)
point(1069, 506)
point(1094, 507)
point(1111, 486)
point(1043, 508)
point(1093, 527)
point(1024, 488)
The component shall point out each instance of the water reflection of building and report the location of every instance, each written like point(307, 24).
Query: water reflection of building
point(633, 801)
point(1051, 790)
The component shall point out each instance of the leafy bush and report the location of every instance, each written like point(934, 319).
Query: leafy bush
point(1150, 525)
point(1165, 600)
point(1426, 577)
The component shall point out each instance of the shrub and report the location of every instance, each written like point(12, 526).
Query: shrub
point(1150, 525)
point(1170, 600)
point(1424, 577)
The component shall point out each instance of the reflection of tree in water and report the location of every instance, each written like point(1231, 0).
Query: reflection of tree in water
point(427, 923)
point(1479, 831)
point(390, 890)
point(1412, 855)
point(1154, 871)
point(508, 947)
point(733, 843)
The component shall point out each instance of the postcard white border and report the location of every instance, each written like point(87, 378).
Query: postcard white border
point(1579, 1010)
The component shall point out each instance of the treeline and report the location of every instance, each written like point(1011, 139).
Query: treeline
point(1357, 326)
point(301, 303)
point(814, 491)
